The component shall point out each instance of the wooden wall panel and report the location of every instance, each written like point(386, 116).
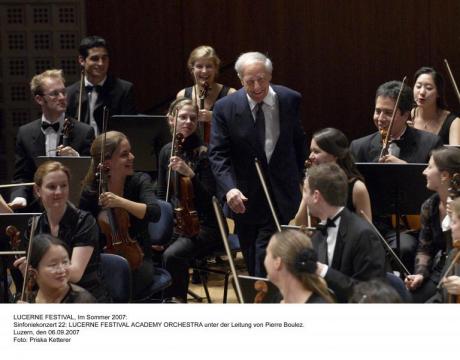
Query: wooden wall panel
point(334, 52)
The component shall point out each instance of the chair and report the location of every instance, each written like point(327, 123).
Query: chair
point(160, 232)
point(399, 286)
point(117, 277)
point(234, 244)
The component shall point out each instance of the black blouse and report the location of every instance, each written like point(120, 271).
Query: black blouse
point(79, 228)
point(431, 241)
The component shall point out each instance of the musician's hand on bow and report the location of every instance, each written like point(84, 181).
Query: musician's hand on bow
point(62, 150)
point(236, 200)
point(110, 200)
point(179, 165)
point(20, 264)
point(413, 281)
point(452, 284)
point(391, 159)
point(204, 115)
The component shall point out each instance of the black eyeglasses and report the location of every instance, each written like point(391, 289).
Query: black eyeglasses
point(56, 93)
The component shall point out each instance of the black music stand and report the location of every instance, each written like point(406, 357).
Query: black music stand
point(147, 134)
point(20, 221)
point(78, 166)
point(398, 189)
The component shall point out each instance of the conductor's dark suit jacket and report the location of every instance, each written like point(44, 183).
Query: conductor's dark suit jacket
point(30, 143)
point(234, 146)
point(116, 94)
point(358, 255)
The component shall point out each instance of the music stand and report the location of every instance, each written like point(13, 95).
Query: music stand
point(147, 134)
point(20, 221)
point(78, 166)
point(398, 189)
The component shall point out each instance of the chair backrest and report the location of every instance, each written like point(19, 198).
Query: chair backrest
point(399, 286)
point(161, 231)
point(117, 277)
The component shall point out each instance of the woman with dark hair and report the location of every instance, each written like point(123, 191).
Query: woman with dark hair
point(431, 113)
point(127, 190)
point(291, 265)
point(432, 247)
point(374, 291)
point(77, 228)
point(331, 145)
point(203, 64)
point(49, 269)
point(193, 164)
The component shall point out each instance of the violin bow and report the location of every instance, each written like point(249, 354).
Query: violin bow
point(173, 144)
point(80, 95)
point(386, 245)
point(386, 142)
point(452, 80)
point(267, 194)
point(105, 120)
point(29, 249)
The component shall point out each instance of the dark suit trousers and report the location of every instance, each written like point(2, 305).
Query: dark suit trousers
point(254, 239)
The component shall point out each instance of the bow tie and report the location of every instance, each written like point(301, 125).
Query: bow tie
point(96, 88)
point(55, 126)
point(329, 223)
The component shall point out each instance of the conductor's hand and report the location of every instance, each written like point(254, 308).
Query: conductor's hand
point(413, 281)
point(236, 200)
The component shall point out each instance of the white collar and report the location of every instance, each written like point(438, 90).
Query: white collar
point(87, 83)
point(269, 99)
point(61, 120)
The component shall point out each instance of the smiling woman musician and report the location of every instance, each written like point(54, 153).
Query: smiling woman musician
point(77, 228)
point(50, 271)
point(127, 190)
point(193, 165)
point(203, 64)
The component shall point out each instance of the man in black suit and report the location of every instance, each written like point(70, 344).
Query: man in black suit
point(409, 145)
point(258, 121)
point(100, 89)
point(348, 249)
point(44, 136)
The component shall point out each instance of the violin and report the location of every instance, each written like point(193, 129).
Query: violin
point(66, 131)
point(187, 220)
point(114, 222)
point(206, 125)
point(29, 280)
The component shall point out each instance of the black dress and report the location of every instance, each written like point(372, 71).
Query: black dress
point(138, 188)
point(79, 228)
point(445, 128)
point(182, 250)
point(431, 251)
point(188, 93)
